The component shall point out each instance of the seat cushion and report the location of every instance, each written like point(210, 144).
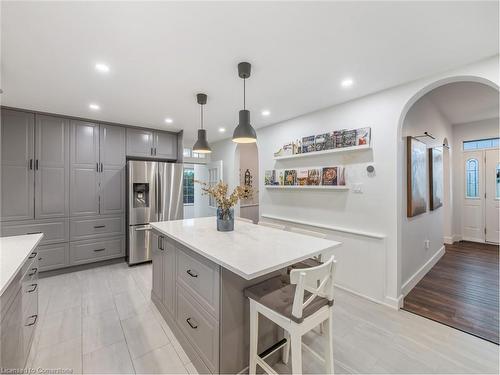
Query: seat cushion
point(306, 263)
point(278, 295)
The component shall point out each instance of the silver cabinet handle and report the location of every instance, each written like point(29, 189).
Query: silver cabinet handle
point(152, 154)
point(31, 164)
point(33, 254)
point(193, 326)
point(34, 317)
point(97, 167)
point(35, 270)
point(36, 164)
point(102, 167)
point(99, 226)
point(33, 232)
point(34, 286)
point(190, 273)
point(97, 250)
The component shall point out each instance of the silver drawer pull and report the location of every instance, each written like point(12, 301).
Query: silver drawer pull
point(33, 255)
point(193, 326)
point(33, 289)
point(34, 317)
point(190, 273)
point(99, 226)
point(33, 232)
point(96, 250)
point(35, 270)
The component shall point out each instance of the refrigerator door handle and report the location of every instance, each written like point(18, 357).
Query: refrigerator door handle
point(159, 199)
point(141, 228)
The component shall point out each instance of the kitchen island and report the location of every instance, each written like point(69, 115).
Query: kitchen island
point(199, 275)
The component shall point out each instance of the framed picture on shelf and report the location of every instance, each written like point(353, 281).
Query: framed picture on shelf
point(435, 177)
point(302, 177)
point(363, 136)
point(308, 144)
point(329, 176)
point(270, 177)
point(349, 138)
point(314, 176)
point(416, 173)
point(290, 177)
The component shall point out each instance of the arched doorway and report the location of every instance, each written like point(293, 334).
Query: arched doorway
point(440, 120)
point(247, 172)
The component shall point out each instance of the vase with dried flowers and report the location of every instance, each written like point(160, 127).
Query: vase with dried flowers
point(225, 203)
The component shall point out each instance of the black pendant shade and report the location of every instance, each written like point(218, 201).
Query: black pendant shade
point(201, 146)
point(244, 132)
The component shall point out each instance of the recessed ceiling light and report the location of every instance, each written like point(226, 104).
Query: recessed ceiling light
point(168, 120)
point(222, 130)
point(347, 82)
point(94, 107)
point(102, 68)
point(266, 112)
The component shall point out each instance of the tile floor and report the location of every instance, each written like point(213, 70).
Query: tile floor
point(102, 320)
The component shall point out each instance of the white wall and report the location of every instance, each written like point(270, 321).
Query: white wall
point(369, 265)
point(416, 259)
point(466, 132)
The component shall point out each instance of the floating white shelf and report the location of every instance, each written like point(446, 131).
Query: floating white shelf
point(324, 152)
point(306, 187)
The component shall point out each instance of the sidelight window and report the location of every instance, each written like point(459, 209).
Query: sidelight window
point(472, 178)
point(188, 185)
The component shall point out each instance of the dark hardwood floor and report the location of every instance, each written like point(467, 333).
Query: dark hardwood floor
point(461, 290)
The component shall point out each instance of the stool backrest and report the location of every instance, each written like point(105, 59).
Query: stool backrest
point(307, 232)
point(271, 225)
point(319, 281)
point(244, 220)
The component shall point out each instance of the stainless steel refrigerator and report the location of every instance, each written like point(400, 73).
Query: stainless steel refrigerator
point(155, 193)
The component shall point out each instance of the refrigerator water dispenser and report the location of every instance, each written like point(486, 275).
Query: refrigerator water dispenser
point(141, 195)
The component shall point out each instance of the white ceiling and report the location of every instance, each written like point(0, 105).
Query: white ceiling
point(162, 53)
point(464, 102)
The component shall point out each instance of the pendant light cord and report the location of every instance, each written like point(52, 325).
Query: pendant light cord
point(244, 94)
point(201, 115)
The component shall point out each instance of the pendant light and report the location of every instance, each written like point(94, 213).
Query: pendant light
point(244, 132)
point(201, 146)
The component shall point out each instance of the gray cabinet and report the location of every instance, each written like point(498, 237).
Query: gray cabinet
point(165, 145)
point(54, 256)
point(168, 297)
point(157, 259)
point(112, 176)
point(140, 142)
point(84, 171)
point(151, 144)
point(97, 169)
point(17, 163)
point(51, 167)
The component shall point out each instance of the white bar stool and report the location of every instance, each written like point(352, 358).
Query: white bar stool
point(284, 305)
point(271, 225)
point(244, 220)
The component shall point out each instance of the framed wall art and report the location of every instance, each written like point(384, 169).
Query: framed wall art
point(416, 173)
point(435, 177)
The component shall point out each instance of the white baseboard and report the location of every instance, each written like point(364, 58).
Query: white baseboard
point(417, 276)
point(452, 239)
point(388, 301)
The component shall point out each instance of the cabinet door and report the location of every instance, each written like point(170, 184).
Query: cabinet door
point(84, 175)
point(157, 257)
point(51, 167)
point(168, 297)
point(17, 137)
point(112, 156)
point(12, 353)
point(165, 145)
point(139, 143)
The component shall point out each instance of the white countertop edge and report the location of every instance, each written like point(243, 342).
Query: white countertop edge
point(235, 270)
point(11, 277)
point(329, 227)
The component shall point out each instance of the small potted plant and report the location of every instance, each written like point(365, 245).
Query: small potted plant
point(225, 203)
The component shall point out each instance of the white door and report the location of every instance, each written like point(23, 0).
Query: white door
point(211, 174)
point(473, 198)
point(492, 197)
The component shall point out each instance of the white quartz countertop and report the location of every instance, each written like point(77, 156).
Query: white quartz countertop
point(13, 253)
point(250, 250)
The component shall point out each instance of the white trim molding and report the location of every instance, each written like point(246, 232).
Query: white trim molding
point(417, 276)
point(329, 227)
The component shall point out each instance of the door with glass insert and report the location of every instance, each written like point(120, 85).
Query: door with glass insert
point(473, 197)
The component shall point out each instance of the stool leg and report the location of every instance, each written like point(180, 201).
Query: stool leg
point(286, 349)
point(254, 334)
point(296, 344)
point(329, 364)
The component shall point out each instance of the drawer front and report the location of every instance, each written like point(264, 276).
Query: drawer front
point(30, 302)
point(200, 277)
point(95, 250)
point(87, 228)
point(54, 230)
point(201, 329)
point(54, 256)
